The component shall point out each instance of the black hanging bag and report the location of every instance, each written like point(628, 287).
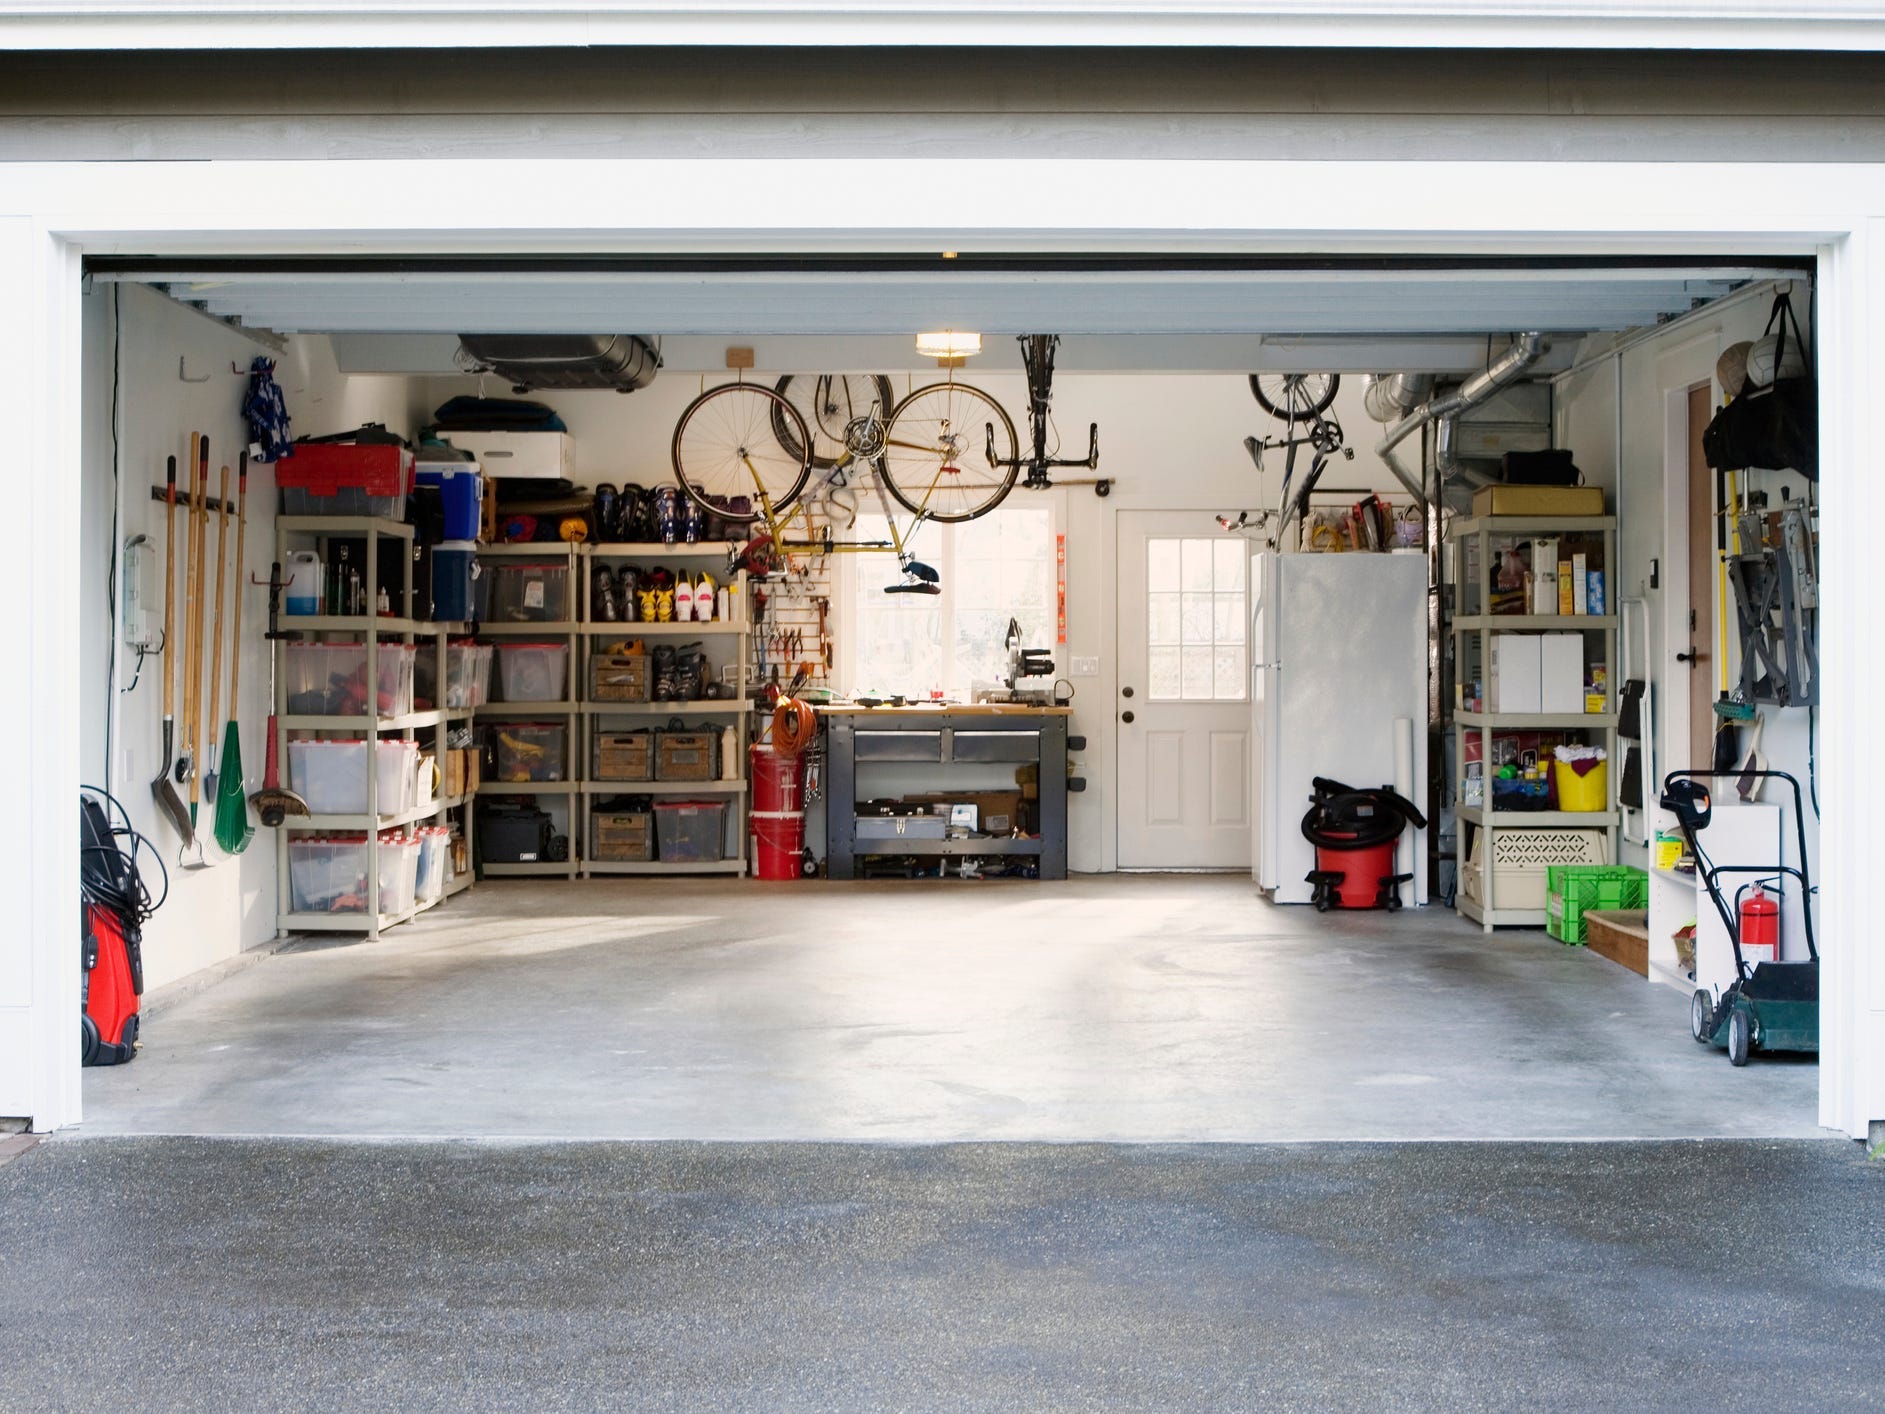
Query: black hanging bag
point(1778, 426)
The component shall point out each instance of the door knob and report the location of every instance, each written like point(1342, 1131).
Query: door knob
point(1125, 716)
point(1691, 657)
point(1125, 692)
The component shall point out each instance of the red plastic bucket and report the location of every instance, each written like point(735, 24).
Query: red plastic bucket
point(1362, 871)
point(779, 843)
point(778, 783)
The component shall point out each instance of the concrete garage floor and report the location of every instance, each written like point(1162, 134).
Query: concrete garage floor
point(297, 1275)
point(1130, 1008)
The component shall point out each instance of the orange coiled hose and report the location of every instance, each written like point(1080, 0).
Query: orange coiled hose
point(794, 724)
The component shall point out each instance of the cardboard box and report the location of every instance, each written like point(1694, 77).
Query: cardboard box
point(996, 810)
point(1561, 672)
point(1539, 501)
point(1514, 674)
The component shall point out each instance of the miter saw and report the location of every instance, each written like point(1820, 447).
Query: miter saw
point(1022, 663)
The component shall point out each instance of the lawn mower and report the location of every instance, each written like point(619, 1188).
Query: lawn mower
point(1770, 1006)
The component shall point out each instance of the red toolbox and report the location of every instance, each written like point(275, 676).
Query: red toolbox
point(345, 479)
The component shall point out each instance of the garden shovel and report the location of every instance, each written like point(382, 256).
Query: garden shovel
point(162, 791)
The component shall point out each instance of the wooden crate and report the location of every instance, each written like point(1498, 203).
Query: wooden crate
point(460, 772)
point(618, 677)
point(1620, 934)
point(624, 756)
point(687, 756)
point(622, 836)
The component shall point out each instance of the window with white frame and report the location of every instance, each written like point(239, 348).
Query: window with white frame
point(1195, 619)
point(996, 567)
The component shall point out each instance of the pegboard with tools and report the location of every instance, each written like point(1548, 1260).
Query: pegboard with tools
point(794, 624)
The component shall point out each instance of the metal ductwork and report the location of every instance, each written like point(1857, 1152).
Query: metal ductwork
point(1502, 372)
point(1387, 396)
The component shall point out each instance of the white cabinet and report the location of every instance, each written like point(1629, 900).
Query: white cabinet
point(541, 456)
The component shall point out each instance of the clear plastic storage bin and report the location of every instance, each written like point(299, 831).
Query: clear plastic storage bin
point(691, 831)
point(528, 591)
point(328, 873)
point(332, 775)
point(330, 680)
point(533, 672)
point(467, 675)
point(531, 751)
point(434, 863)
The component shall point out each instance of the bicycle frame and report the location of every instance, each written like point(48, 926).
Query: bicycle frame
point(796, 531)
point(1037, 358)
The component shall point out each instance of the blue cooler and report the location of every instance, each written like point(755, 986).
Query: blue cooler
point(462, 490)
point(454, 567)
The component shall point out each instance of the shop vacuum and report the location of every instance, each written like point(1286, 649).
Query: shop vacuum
point(1355, 832)
point(114, 901)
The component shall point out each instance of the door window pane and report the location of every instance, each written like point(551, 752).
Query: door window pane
point(1195, 608)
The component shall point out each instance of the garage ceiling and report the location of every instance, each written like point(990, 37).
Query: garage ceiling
point(1225, 302)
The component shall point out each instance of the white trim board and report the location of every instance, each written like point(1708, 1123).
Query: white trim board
point(467, 24)
point(1834, 212)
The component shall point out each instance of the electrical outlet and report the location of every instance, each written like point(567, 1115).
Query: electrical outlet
point(1085, 667)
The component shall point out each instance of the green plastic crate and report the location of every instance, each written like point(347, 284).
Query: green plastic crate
point(1570, 889)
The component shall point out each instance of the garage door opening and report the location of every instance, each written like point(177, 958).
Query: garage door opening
point(890, 1007)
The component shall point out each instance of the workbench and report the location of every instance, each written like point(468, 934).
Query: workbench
point(943, 736)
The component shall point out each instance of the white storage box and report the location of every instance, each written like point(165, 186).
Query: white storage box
point(540, 456)
point(1518, 874)
point(1513, 675)
point(332, 775)
point(533, 672)
point(1561, 673)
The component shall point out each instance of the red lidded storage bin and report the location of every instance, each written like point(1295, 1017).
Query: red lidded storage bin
point(345, 479)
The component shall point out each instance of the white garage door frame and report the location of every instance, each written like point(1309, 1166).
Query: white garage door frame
point(53, 213)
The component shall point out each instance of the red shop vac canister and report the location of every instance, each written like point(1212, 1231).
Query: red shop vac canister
point(1355, 833)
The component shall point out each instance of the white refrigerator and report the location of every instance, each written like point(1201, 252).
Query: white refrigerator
point(1339, 689)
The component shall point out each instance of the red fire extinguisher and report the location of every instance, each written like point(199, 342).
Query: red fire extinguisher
point(1760, 921)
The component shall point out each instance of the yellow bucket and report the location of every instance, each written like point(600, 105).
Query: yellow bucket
point(1589, 791)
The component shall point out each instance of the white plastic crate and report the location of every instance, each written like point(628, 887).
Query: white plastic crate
point(1523, 856)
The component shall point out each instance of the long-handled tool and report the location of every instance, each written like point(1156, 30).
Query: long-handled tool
point(193, 689)
point(216, 646)
point(186, 741)
point(233, 829)
point(162, 790)
point(272, 803)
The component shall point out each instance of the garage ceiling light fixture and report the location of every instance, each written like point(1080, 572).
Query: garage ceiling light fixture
point(951, 344)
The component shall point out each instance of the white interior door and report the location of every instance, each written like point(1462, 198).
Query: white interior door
point(1184, 705)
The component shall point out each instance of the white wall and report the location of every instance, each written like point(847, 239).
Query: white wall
point(1171, 442)
point(215, 913)
point(1631, 457)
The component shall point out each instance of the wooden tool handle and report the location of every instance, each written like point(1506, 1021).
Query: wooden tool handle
point(214, 724)
point(235, 632)
point(170, 587)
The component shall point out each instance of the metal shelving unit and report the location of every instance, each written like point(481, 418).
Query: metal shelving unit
point(568, 632)
point(736, 629)
point(293, 532)
point(1473, 624)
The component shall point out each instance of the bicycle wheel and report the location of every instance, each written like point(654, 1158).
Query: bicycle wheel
point(726, 456)
point(828, 403)
point(936, 460)
point(1294, 397)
